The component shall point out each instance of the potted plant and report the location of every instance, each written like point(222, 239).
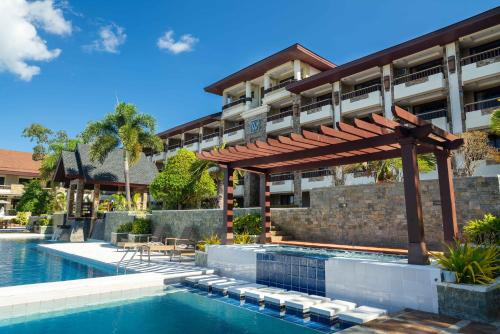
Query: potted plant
point(43, 225)
point(201, 256)
point(121, 233)
point(248, 225)
point(141, 230)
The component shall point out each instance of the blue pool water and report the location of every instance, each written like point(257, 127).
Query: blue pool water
point(22, 263)
point(180, 312)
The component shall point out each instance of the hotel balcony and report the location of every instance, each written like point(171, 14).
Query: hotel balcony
point(209, 141)
point(418, 83)
point(161, 156)
point(480, 66)
point(316, 112)
point(316, 179)
point(236, 133)
point(478, 114)
point(282, 183)
point(235, 108)
point(172, 150)
point(277, 92)
point(437, 117)
point(11, 190)
point(280, 121)
point(366, 99)
point(192, 144)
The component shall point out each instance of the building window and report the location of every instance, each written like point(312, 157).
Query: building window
point(366, 84)
point(24, 181)
point(2, 180)
point(494, 141)
point(487, 94)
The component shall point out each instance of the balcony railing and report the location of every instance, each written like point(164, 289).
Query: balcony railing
point(317, 173)
point(280, 115)
point(484, 104)
point(173, 147)
point(279, 86)
point(234, 129)
point(361, 92)
point(428, 115)
point(12, 189)
point(238, 101)
point(418, 75)
point(191, 141)
point(480, 56)
point(211, 135)
point(310, 108)
point(281, 177)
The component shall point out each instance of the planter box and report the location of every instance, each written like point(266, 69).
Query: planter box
point(118, 237)
point(471, 302)
point(200, 258)
point(43, 229)
point(138, 237)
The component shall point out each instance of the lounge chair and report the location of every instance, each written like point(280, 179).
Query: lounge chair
point(182, 247)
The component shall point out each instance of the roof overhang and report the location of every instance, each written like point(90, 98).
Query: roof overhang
point(190, 125)
point(439, 37)
point(19, 172)
point(258, 69)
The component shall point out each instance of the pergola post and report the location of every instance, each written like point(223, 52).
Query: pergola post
point(447, 193)
point(69, 201)
point(95, 199)
point(227, 238)
point(79, 198)
point(417, 249)
point(265, 206)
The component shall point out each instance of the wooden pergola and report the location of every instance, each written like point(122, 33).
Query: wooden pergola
point(363, 141)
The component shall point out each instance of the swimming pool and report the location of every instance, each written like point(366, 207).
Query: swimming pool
point(22, 263)
point(179, 312)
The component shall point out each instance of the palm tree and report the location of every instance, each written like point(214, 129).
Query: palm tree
point(125, 128)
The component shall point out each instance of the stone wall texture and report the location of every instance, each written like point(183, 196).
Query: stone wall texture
point(114, 219)
point(374, 215)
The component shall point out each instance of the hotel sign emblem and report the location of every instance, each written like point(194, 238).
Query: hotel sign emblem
point(255, 125)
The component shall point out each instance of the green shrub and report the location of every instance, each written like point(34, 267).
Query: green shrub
point(243, 239)
point(44, 221)
point(141, 226)
point(483, 231)
point(249, 224)
point(22, 218)
point(125, 228)
point(212, 239)
point(471, 264)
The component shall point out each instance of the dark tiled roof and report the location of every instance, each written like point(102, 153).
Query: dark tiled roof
point(79, 164)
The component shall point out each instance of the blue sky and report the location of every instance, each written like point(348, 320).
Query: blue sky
point(81, 83)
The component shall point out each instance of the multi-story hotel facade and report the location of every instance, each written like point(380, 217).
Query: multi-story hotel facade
point(450, 77)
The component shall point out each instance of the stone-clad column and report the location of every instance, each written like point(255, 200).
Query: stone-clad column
point(297, 176)
point(79, 198)
point(454, 88)
point(336, 103)
point(387, 90)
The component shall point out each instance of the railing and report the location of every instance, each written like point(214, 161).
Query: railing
point(211, 135)
point(14, 188)
point(128, 261)
point(279, 86)
point(234, 129)
point(433, 114)
point(317, 173)
point(316, 105)
point(173, 147)
point(484, 104)
point(361, 92)
point(480, 56)
point(238, 101)
point(418, 75)
point(191, 141)
point(279, 115)
point(281, 177)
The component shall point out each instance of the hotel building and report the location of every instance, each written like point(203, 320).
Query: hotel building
point(450, 77)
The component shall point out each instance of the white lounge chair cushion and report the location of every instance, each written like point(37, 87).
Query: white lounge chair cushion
point(195, 279)
point(241, 289)
point(304, 302)
point(362, 314)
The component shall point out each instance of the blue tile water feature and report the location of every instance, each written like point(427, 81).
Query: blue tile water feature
point(298, 273)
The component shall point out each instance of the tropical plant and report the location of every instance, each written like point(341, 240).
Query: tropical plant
point(476, 147)
point(35, 199)
point(44, 221)
point(495, 121)
point(125, 227)
point(22, 218)
point(249, 224)
point(243, 239)
point(119, 202)
point(212, 239)
point(125, 128)
point(483, 231)
point(471, 264)
point(48, 148)
point(141, 226)
point(177, 186)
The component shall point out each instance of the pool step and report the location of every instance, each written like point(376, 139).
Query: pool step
point(327, 312)
point(362, 314)
point(221, 288)
point(277, 235)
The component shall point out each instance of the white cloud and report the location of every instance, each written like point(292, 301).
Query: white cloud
point(184, 44)
point(19, 39)
point(110, 38)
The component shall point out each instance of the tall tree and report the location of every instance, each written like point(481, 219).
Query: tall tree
point(48, 148)
point(124, 128)
point(476, 148)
